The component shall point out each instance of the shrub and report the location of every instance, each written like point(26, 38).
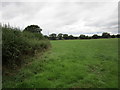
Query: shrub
point(17, 44)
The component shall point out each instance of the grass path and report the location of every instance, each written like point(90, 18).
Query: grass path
point(71, 64)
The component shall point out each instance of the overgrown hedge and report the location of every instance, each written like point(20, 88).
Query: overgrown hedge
point(17, 44)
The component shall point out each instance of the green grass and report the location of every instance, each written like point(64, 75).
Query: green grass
point(70, 64)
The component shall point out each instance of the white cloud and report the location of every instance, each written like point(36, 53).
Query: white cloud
point(63, 17)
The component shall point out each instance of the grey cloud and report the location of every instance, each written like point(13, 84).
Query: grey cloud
point(19, 9)
point(4, 4)
point(110, 21)
point(65, 17)
point(103, 23)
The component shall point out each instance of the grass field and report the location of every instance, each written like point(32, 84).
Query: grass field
point(70, 64)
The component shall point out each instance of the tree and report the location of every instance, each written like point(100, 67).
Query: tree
point(95, 36)
point(105, 35)
point(52, 36)
point(89, 37)
point(86, 37)
point(76, 37)
point(70, 37)
point(118, 35)
point(65, 36)
point(113, 36)
point(46, 36)
point(60, 36)
point(33, 28)
point(82, 36)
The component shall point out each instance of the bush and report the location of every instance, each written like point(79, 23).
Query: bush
point(17, 44)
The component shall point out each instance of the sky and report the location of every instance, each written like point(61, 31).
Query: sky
point(73, 17)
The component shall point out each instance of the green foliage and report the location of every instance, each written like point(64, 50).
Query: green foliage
point(17, 44)
point(105, 35)
point(33, 29)
point(71, 64)
point(82, 36)
point(60, 36)
point(113, 36)
point(118, 35)
point(65, 36)
point(52, 36)
point(95, 36)
point(70, 37)
point(45, 36)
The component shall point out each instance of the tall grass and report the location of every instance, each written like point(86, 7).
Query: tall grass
point(17, 44)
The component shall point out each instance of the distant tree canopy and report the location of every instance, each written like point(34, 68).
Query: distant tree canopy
point(52, 36)
point(105, 35)
point(47, 37)
point(65, 36)
point(82, 36)
point(113, 36)
point(60, 36)
point(71, 37)
point(95, 36)
point(118, 35)
point(33, 28)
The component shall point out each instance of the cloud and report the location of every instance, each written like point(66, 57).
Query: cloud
point(63, 17)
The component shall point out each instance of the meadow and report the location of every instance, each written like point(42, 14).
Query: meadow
point(70, 64)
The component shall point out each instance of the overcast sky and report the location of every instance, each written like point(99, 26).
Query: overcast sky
point(63, 17)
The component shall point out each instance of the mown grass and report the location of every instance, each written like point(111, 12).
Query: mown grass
point(70, 64)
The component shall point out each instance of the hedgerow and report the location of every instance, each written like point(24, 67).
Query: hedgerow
point(17, 44)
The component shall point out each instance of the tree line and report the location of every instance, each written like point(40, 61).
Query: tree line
point(61, 36)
